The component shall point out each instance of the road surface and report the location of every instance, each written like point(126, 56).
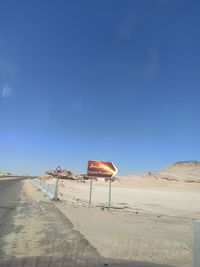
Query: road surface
point(33, 228)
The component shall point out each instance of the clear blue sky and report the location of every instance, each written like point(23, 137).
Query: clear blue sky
point(108, 80)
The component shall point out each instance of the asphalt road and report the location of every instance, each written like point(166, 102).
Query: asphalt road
point(31, 230)
point(9, 198)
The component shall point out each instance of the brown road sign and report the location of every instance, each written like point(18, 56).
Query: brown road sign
point(101, 169)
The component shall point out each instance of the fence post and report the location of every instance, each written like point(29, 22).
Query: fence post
point(47, 189)
point(56, 191)
point(40, 186)
point(196, 243)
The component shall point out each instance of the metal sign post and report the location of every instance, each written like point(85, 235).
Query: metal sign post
point(56, 190)
point(109, 202)
point(90, 199)
point(57, 171)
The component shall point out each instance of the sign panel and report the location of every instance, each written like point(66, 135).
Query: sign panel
point(58, 169)
point(101, 169)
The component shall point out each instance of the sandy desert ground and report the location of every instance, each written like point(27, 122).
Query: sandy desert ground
point(150, 219)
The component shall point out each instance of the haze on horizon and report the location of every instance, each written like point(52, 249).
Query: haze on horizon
point(109, 80)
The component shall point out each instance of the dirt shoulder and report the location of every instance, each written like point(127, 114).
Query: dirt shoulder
point(151, 223)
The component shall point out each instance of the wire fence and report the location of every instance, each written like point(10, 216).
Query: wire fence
point(48, 189)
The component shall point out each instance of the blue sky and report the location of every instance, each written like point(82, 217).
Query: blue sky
point(109, 80)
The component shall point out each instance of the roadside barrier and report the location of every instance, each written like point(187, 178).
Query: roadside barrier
point(51, 190)
point(196, 243)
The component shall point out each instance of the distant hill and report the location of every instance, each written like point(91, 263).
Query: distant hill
point(3, 174)
point(182, 165)
point(9, 174)
point(183, 171)
point(188, 171)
